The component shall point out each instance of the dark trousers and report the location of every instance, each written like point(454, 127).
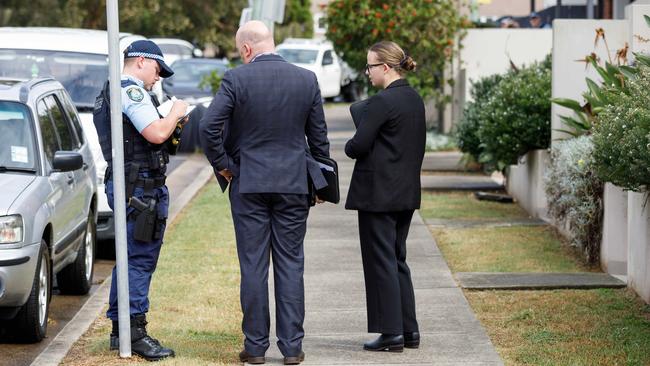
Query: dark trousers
point(271, 225)
point(390, 300)
point(142, 256)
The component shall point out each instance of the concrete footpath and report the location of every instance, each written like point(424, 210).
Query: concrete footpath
point(335, 322)
point(183, 183)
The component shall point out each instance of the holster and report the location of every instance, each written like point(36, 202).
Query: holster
point(145, 219)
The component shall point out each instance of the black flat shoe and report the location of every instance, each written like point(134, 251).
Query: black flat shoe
point(294, 360)
point(386, 342)
point(253, 360)
point(412, 340)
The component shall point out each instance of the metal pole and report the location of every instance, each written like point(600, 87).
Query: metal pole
point(119, 213)
point(532, 6)
point(590, 9)
point(558, 6)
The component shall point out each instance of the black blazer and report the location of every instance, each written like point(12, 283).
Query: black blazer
point(389, 147)
point(257, 123)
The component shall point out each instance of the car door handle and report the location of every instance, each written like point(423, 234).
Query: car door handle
point(85, 167)
point(70, 180)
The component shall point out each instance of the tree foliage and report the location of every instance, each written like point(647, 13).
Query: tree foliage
point(200, 21)
point(426, 29)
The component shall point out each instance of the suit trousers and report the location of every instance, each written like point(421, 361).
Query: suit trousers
point(390, 300)
point(271, 225)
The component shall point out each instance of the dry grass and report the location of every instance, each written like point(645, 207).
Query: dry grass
point(463, 206)
point(194, 294)
point(507, 249)
point(565, 327)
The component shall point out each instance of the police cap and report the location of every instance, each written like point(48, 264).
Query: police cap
point(148, 49)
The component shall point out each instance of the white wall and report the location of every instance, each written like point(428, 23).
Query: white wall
point(638, 234)
point(573, 39)
point(613, 247)
point(489, 51)
point(525, 183)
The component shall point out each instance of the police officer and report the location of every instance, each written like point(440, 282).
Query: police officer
point(145, 157)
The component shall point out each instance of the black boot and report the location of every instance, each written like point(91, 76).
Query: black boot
point(386, 342)
point(145, 346)
point(115, 336)
point(141, 343)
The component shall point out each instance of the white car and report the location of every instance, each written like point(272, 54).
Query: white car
point(318, 57)
point(174, 49)
point(78, 59)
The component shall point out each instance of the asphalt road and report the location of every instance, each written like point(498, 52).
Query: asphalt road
point(62, 308)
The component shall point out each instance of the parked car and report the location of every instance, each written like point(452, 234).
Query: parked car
point(334, 76)
point(48, 203)
point(188, 74)
point(78, 58)
point(175, 49)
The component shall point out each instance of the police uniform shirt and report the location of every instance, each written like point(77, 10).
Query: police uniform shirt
point(137, 104)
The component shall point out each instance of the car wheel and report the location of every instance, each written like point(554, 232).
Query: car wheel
point(30, 324)
point(77, 277)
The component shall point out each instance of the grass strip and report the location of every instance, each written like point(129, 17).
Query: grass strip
point(507, 249)
point(566, 327)
point(194, 294)
point(463, 206)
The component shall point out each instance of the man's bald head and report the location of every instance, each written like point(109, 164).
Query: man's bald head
point(255, 38)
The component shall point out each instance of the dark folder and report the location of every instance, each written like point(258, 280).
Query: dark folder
point(330, 171)
point(356, 110)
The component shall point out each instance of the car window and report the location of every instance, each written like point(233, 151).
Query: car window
point(16, 136)
point(169, 49)
point(67, 139)
point(82, 74)
point(185, 51)
point(73, 117)
point(48, 133)
point(327, 58)
point(193, 72)
point(298, 56)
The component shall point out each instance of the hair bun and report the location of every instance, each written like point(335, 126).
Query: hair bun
point(408, 64)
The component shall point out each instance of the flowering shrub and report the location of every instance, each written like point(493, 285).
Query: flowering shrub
point(622, 135)
point(473, 113)
point(575, 193)
point(426, 29)
point(517, 115)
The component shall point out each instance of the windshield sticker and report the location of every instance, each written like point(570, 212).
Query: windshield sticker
point(19, 154)
point(135, 94)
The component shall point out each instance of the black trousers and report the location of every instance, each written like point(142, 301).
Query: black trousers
point(271, 225)
point(390, 300)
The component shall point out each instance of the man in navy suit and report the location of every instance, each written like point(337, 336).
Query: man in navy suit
point(253, 134)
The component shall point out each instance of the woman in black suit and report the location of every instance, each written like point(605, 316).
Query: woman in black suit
point(385, 189)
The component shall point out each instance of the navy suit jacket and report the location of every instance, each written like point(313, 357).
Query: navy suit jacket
point(257, 123)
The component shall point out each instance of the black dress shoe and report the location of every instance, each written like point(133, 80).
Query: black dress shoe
point(253, 360)
point(386, 342)
point(294, 360)
point(412, 340)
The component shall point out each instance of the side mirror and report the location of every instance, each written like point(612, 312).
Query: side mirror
point(328, 61)
point(66, 161)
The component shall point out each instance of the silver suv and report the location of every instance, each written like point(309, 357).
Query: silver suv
point(48, 203)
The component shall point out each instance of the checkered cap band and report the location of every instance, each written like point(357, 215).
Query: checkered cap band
point(146, 55)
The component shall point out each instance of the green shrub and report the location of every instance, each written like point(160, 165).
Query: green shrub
point(467, 128)
point(622, 135)
point(575, 193)
point(517, 116)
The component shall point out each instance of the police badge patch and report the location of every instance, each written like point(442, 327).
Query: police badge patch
point(135, 94)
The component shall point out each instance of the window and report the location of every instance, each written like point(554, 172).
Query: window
point(16, 136)
point(50, 142)
point(72, 116)
point(327, 58)
point(66, 136)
